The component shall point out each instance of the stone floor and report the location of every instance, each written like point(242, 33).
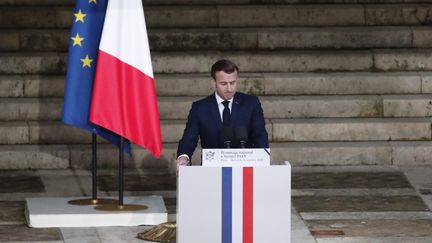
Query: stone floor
point(330, 204)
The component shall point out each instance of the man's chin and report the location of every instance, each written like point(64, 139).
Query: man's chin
point(229, 96)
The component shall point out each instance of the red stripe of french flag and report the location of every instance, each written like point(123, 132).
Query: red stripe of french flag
point(248, 205)
point(124, 96)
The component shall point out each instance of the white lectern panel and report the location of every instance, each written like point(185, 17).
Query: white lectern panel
point(210, 209)
point(275, 196)
point(198, 200)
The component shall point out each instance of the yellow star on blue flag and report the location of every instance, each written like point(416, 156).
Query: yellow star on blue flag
point(79, 16)
point(86, 61)
point(77, 40)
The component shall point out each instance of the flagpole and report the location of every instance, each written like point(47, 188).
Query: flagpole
point(119, 205)
point(120, 176)
point(94, 200)
point(94, 168)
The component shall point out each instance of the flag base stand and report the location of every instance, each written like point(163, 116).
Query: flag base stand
point(90, 201)
point(46, 212)
point(165, 232)
point(124, 207)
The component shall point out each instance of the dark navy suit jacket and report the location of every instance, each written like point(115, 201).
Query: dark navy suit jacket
point(204, 122)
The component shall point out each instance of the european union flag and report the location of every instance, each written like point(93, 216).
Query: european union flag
point(86, 32)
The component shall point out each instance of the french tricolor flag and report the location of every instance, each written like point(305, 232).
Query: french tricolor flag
point(234, 204)
point(124, 94)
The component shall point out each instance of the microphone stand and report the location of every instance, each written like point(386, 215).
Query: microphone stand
point(227, 144)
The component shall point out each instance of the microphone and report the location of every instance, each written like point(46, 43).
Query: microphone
point(227, 137)
point(241, 135)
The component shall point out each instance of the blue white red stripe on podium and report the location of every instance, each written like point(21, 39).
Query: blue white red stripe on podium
point(237, 205)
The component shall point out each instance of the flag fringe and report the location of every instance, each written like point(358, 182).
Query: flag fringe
point(165, 232)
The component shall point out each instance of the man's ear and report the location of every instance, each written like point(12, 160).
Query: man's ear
point(213, 84)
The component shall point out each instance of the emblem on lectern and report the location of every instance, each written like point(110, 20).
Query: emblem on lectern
point(210, 155)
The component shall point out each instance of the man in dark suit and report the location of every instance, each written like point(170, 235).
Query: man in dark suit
point(224, 108)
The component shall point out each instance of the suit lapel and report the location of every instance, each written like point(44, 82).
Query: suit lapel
point(214, 111)
point(235, 110)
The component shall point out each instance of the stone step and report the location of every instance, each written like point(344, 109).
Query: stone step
point(384, 153)
point(197, 84)
point(280, 130)
point(209, 2)
point(240, 38)
point(32, 63)
point(202, 16)
point(259, 61)
point(402, 129)
point(32, 86)
point(298, 61)
point(34, 40)
point(289, 38)
point(36, 2)
point(77, 156)
point(391, 153)
point(33, 109)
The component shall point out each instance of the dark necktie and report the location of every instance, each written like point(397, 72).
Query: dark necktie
point(226, 116)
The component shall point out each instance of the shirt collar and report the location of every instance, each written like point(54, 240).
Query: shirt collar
point(219, 99)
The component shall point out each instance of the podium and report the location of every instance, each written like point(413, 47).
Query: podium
point(239, 203)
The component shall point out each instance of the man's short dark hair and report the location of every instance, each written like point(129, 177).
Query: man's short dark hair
point(223, 65)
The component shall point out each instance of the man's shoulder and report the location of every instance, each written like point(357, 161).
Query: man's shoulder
point(206, 99)
point(245, 97)
point(203, 101)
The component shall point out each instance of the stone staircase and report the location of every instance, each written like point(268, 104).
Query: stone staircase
point(341, 82)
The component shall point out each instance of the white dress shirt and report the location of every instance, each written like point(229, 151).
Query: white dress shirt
point(221, 107)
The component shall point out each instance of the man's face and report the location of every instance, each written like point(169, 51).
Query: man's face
point(225, 84)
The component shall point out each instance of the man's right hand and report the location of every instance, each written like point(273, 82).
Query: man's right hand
point(181, 161)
